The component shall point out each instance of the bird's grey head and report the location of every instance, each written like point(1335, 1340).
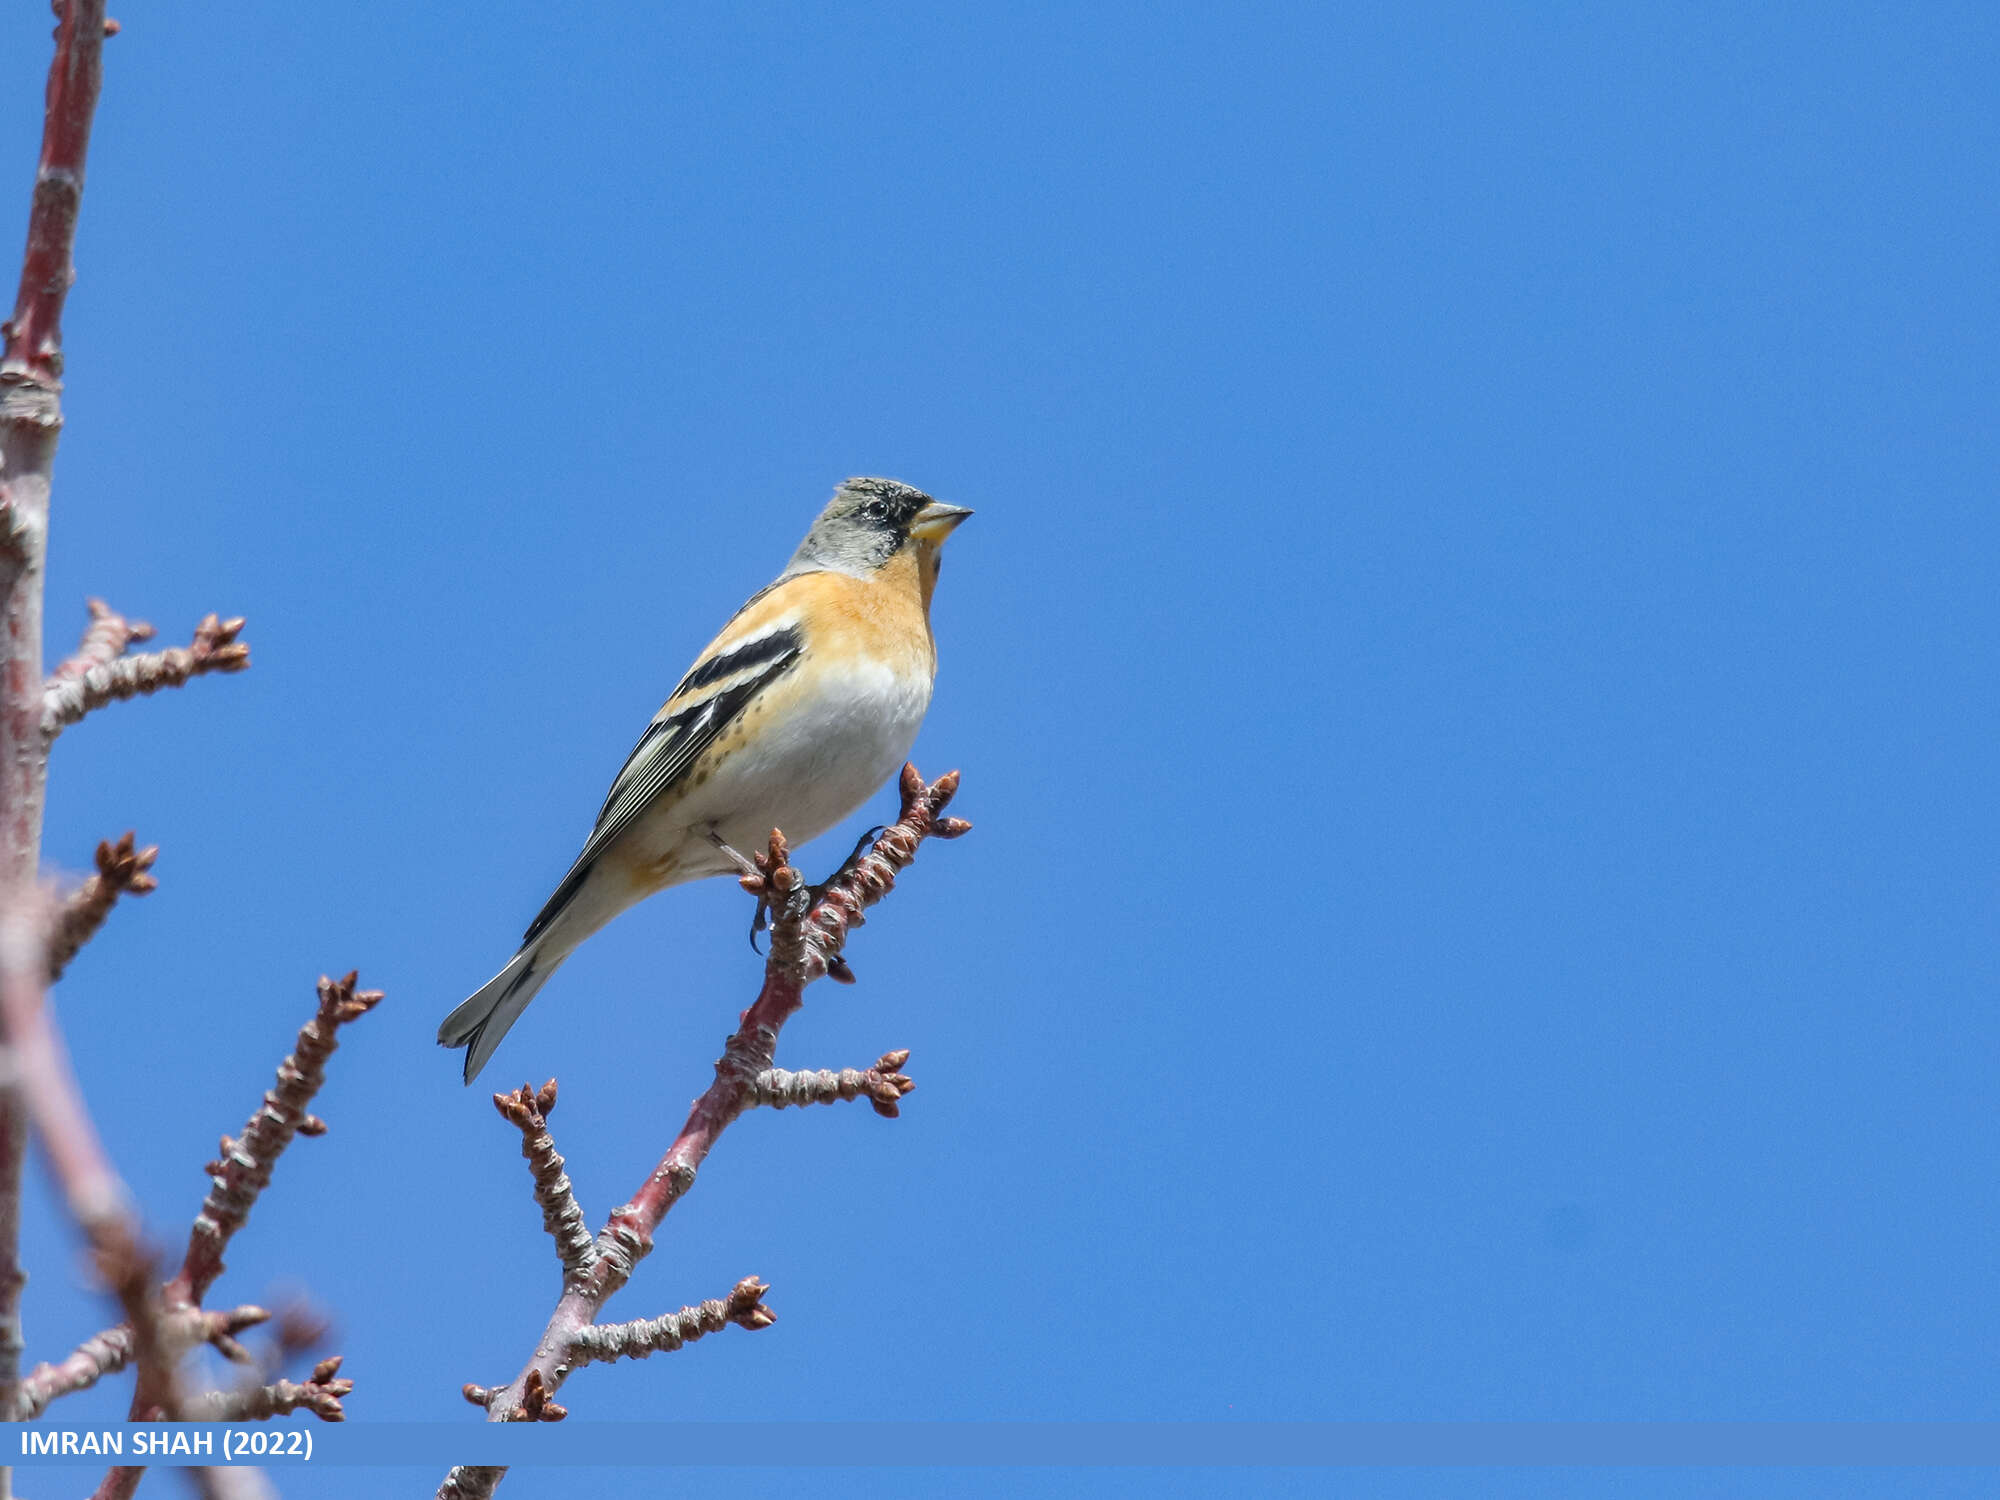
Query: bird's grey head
point(867, 522)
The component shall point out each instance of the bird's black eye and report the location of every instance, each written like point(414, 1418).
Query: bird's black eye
point(875, 510)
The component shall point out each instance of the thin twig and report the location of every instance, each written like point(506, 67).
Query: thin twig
point(230, 1482)
point(562, 1216)
point(90, 1185)
point(13, 1152)
point(243, 1169)
point(99, 1355)
point(128, 1266)
point(320, 1395)
point(215, 648)
point(121, 869)
point(108, 1352)
point(808, 931)
point(105, 639)
point(121, 1482)
point(881, 1085)
point(744, 1307)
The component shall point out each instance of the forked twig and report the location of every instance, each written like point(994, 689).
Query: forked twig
point(215, 648)
point(809, 930)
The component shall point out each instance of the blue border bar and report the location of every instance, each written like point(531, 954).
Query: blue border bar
point(1079, 1444)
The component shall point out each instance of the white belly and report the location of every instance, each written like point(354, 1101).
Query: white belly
point(807, 768)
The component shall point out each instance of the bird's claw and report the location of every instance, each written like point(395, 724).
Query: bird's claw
point(759, 919)
point(867, 842)
point(747, 868)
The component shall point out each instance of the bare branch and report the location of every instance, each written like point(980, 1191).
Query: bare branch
point(99, 1355)
point(30, 424)
point(744, 1307)
point(215, 648)
point(882, 1085)
point(230, 1482)
point(562, 1215)
point(809, 928)
point(320, 1395)
point(119, 1483)
point(467, 1482)
point(129, 1265)
point(33, 346)
point(108, 1352)
point(185, 1328)
point(121, 868)
point(13, 1280)
point(104, 641)
point(82, 1170)
point(90, 1185)
point(243, 1170)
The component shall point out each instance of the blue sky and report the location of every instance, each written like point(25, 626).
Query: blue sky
point(1473, 672)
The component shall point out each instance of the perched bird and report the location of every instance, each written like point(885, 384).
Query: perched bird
point(806, 703)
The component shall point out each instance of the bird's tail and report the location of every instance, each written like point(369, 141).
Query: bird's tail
point(482, 1020)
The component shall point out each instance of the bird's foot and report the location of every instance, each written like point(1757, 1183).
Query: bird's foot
point(747, 867)
point(867, 842)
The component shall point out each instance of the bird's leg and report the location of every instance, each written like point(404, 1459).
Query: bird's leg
point(867, 843)
point(744, 864)
point(747, 867)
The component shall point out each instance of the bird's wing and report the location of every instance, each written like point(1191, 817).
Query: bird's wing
point(715, 690)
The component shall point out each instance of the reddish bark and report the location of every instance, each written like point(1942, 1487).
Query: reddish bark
point(808, 932)
point(30, 420)
point(34, 335)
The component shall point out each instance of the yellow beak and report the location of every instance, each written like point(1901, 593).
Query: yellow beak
point(937, 521)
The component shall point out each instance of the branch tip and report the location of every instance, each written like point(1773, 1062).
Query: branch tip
point(538, 1403)
point(340, 1002)
point(321, 1395)
point(244, 1165)
point(883, 1085)
point(122, 869)
point(100, 672)
point(745, 1305)
point(232, 1351)
point(527, 1110)
point(240, 1318)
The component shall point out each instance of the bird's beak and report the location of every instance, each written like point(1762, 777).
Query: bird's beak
point(937, 521)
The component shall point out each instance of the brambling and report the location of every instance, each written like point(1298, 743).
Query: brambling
point(806, 703)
